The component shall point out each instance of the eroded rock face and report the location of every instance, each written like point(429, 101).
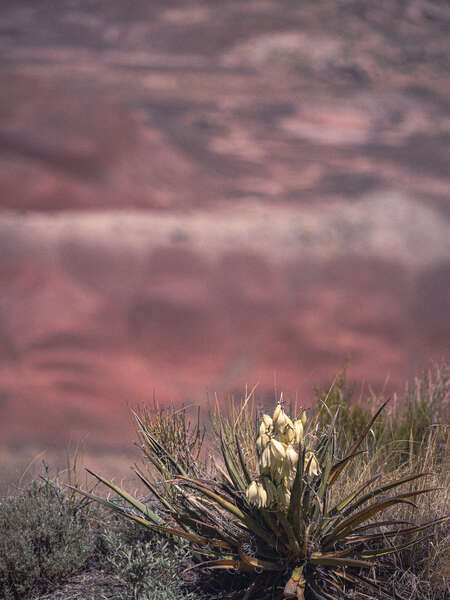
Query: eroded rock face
point(210, 194)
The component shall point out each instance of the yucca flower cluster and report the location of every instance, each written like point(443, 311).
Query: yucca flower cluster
point(278, 445)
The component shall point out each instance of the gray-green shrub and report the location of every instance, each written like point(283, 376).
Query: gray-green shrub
point(43, 540)
point(148, 567)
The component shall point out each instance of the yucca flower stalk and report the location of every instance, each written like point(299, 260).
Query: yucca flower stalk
point(278, 521)
point(278, 444)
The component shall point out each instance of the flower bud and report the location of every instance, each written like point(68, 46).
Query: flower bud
point(289, 434)
point(276, 413)
point(298, 429)
point(314, 468)
point(304, 418)
point(262, 498)
point(267, 421)
point(278, 449)
point(265, 460)
point(252, 492)
point(292, 456)
point(281, 421)
point(262, 441)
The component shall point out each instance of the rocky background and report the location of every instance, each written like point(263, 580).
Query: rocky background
point(199, 195)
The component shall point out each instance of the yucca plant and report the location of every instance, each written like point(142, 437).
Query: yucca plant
point(270, 513)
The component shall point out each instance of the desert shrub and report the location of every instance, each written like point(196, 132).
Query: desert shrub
point(298, 508)
point(47, 535)
point(43, 540)
point(148, 567)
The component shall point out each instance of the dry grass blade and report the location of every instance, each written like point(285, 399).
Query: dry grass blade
point(356, 445)
point(341, 562)
point(397, 532)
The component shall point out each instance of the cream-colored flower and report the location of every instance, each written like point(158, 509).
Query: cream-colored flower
point(252, 492)
point(292, 456)
point(262, 498)
point(298, 430)
point(289, 423)
point(289, 434)
point(262, 441)
point(257, 495)
point(286, 473)
point(272, 459)
point(282, 420)
point(266, 459)
point(304, 418)
point(282, 424)
point(277, 449)
point(267, 421)
point(314, 468)
point(276, 413)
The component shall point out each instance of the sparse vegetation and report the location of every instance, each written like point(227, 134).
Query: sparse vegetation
point(147, 567)
point(46, 537)
point(275, 510)
point(287, 506)
point(405, 428)
point(43, 540)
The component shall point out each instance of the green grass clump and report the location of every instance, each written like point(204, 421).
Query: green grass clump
point(404, 429)
point(43, 540)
